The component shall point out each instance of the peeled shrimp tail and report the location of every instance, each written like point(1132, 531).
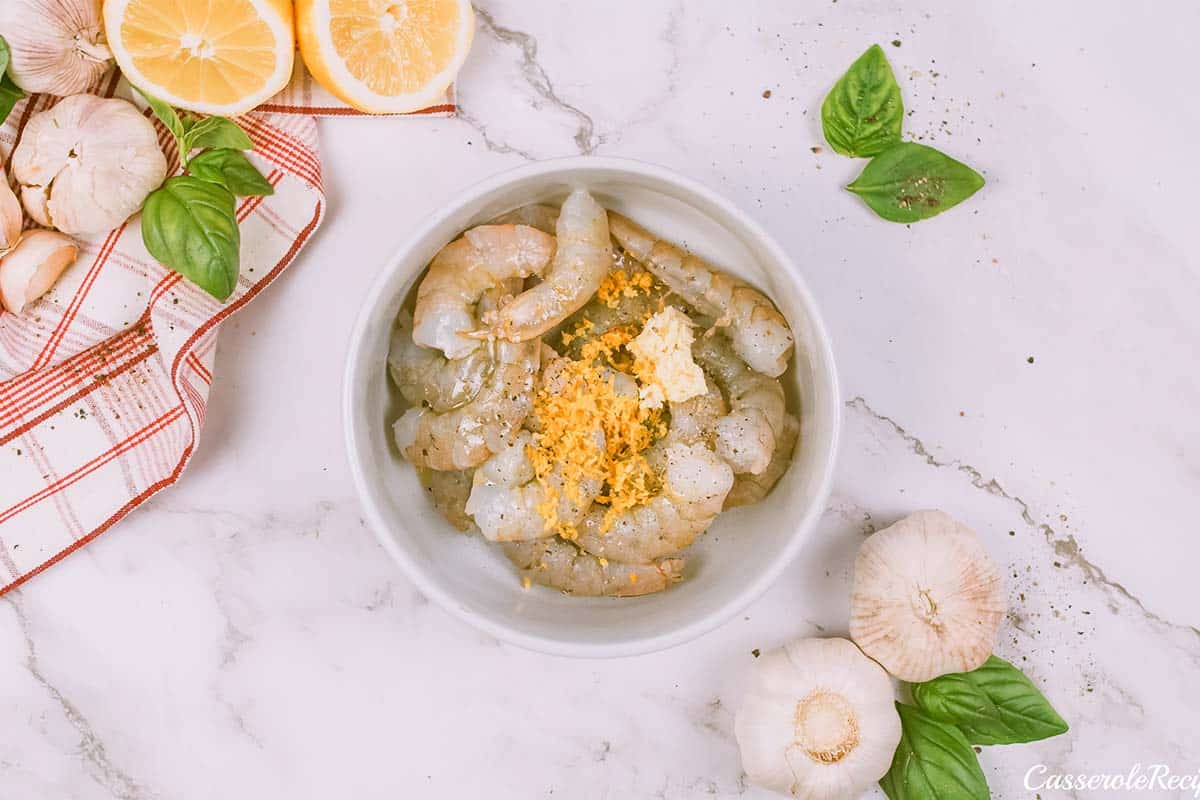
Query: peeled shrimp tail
point(695, 482)
point(759, 333)
point(749, 489)
point(563, 566)
point(581, 260)
point(466, 436)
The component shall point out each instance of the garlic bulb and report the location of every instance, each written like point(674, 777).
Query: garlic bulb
point(926, 598)
point(818, 721)
point(11, 220)
point(57, 45)
point(87, 164)
point(29, 270)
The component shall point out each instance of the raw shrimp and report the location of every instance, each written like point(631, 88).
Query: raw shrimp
point(748, 489)
point(465, 436)
point(746, 436)
point(542, 217)
point(509, 504)
point(561, 565)
point(759, 333)
point(425, 377)
point(694, 484)
point(449, 490)
point(582, 259)
point(696, 419)
point(462, 271)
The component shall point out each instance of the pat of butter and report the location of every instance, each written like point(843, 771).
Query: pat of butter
point(663, 360)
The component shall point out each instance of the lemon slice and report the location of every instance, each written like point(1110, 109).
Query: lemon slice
point(213, 56)
point(385, 56)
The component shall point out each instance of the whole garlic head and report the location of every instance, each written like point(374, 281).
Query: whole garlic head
point(818, 721)
point(926, 598)
point(87, 164)
point(57, 45)
point(29, 270)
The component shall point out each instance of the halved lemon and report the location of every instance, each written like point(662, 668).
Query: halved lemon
point(385, 56)
point(213, 56)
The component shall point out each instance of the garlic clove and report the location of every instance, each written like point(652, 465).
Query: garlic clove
point(818, 721)
point(57, 46)
point(11, 220)
point(29, 270)
point(927, 599)
point(36, 201)
point(87, 164)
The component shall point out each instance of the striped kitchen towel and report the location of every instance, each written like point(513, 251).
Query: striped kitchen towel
point(303, 95)
point(103, 382)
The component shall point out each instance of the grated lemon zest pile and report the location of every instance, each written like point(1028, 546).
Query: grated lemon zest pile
point(620, 283)
point(586, 401)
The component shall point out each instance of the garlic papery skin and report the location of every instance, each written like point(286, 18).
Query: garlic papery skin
point(87, 164)
point(11, 219)
point(57, 46)
point(818, 721)
point(29, 270)
point(926, 599)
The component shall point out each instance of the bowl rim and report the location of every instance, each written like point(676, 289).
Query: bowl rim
point(379, 522)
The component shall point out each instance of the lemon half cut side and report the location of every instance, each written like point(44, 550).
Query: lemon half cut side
point(212, 56)
point(385, 56)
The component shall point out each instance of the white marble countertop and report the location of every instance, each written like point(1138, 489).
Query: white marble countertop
point(1027, 362)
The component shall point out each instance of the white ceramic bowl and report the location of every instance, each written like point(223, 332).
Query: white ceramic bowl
point(744, 550)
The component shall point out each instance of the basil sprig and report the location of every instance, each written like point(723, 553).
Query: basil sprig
point(933, 760)
point(904, 181)
point(190, 223)
point(994, 704)
point(910, 182)
point(861, 115)
point(10, 93)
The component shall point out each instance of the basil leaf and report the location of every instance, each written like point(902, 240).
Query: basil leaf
point(10, 93)
point(168, 117)
point(933, 761)
point(994, 704)
point(217, 132)
point(189, 225)
point(231, 169)
point(861, 115)
point(910, 182)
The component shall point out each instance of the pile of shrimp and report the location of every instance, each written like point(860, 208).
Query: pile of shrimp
point(526, 417)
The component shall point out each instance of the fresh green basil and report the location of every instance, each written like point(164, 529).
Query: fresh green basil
point(10, 93)
point(189, 225)
point(994, 704)
point(231, 169)
point(216, 132)
point(910, 182)
point(167, 116)
point(861, 115)
point(933, 761)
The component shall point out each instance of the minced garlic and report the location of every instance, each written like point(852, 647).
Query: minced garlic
point(663, 361)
